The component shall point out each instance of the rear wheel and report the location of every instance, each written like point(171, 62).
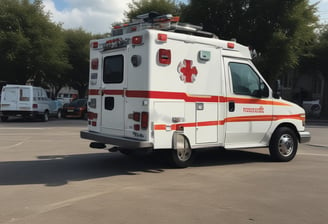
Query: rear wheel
point(45, 116)
point(85, 116)
point(283, 144)
point(182, 155)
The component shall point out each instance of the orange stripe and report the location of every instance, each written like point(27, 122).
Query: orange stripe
point(159, 127)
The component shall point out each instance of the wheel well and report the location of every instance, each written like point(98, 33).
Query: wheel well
point(174, 137)
point(291, 126)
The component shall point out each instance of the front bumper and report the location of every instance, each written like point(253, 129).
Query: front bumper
point(115, 140)
point(305, 136)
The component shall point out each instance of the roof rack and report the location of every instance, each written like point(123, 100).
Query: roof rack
point(154, 20)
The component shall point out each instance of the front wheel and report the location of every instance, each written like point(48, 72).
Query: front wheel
point(45, 116)
point(283, 144)
point(182, 155)
point(59, 114)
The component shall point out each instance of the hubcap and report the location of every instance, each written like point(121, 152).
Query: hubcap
point(286, 145)
point(184, 154)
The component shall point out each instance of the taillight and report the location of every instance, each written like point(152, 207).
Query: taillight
point(137, 40)
point(136, 116)
point(164, 56)
point(144, 120)
point(136, 127)
point(94, 64)
point(92, 116)
point(35, 106)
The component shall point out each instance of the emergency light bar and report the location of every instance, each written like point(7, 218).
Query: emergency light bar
point(154, 20)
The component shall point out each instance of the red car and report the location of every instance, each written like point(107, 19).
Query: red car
point(76, 109)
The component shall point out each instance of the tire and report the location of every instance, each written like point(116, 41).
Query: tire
point(4, 118)
point(283, 144)
point(45, 116)
point(182, 155)
point(85, 116)
point(59, 114)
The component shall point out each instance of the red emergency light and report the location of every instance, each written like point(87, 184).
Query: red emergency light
point(162, 37)
point(95, 45)
point(137, 40)
point(231, 45)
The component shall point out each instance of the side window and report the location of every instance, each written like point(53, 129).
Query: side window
point(113, 69)
point(245, 81)
point(24, 94)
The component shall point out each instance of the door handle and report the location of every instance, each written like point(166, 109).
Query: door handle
point(231, 106)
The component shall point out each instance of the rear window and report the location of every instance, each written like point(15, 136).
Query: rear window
point(113, 69)
point(10, 94)
point(78, 103)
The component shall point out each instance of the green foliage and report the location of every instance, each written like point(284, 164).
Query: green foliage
point(280, 30)
point(138, 7)
point(31, 45)
point(78, 57)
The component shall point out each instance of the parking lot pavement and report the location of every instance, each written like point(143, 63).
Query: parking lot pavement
point(49, 175)
point(319, 133)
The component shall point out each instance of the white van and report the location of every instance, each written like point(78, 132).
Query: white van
point(27, 102)
point(164, 85)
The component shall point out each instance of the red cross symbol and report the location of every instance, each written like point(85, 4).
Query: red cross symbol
point(187, 71)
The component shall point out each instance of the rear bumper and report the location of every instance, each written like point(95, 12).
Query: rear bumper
point(115, 140)
point(18, 113)
point(305, 136)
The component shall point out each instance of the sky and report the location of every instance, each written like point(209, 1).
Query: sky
point(97, 16)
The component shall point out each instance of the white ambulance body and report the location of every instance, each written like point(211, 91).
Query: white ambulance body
point(157, 89)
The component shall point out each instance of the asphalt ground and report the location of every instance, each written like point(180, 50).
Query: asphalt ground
point(49, 175)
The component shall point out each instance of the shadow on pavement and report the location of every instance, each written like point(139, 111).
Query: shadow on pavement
point(58, 170)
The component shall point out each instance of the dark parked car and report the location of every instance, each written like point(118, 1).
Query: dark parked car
point(76, 109)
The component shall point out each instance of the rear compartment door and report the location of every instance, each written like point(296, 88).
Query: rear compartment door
point(9, 98)
point(114, 81)
point(16, 99)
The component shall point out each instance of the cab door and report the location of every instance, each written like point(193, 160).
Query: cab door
point(114, 84)
point(249, 106)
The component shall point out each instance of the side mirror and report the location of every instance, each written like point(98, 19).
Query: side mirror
point(277, 89)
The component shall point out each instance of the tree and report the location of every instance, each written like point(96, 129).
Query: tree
point(78, 41)
point(278, 29)
point(138, 7)
point(319, 60)
point(31, 45)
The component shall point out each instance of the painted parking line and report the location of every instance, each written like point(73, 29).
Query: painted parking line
point(15, 145)
point(23, 128)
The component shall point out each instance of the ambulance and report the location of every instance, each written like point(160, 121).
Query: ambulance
point(160, 84)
